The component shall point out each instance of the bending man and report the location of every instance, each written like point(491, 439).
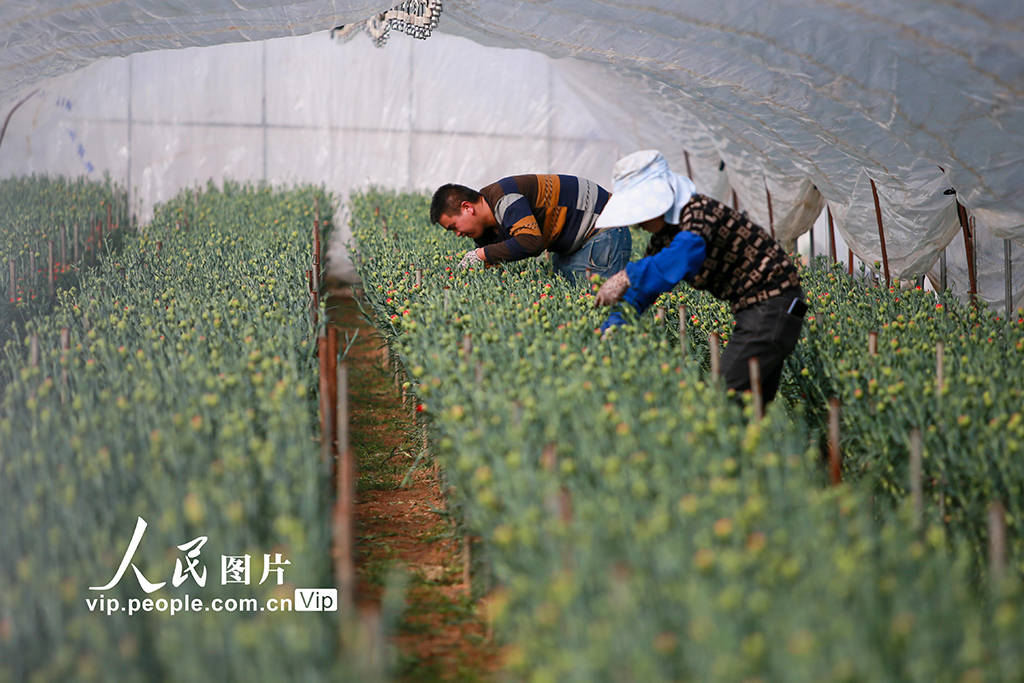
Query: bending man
point(524, 215)
point(712, 247)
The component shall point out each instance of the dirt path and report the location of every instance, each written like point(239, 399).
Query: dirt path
point(441, 636)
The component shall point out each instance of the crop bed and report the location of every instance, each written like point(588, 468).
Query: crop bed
point(637, 524)
point(175, 384)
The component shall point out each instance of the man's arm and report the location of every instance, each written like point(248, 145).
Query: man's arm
point(514, 213)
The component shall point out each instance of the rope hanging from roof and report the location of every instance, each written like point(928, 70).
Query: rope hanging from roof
point(417, 18)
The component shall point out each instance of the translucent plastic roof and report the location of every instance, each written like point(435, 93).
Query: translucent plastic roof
point(921, 97)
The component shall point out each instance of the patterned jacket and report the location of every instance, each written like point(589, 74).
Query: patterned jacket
point(717, 249)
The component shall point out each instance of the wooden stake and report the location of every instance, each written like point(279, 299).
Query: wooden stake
point(467, 345)
point(467, 564)
point(916, 468)
point(835, 458)
point(755, 386)
point(64, 248)
point(997, 541)
point(344, 539)
point(940, 352)
point(682, 331)
point(771, 216)
point(659, 315)
point(326, 418)
point(65, 346)
point(479, 375)
point(33, 351)
point(713, 341)
point(419, 277)
point(332, 374)
point(849, 262)
point(689, 170)
point(50, 269)
point(549, 458)
point(872, 343)
point(881, 232)
point(370, 643)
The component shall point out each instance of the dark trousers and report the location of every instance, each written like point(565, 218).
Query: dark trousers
point(767, 331)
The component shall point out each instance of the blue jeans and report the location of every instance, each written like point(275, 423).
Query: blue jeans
point(605, 254)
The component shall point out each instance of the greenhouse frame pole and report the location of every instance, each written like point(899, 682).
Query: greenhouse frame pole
point(881, 232)
point(942, 271)
point(972, 274)
point(831, 233)
point(1008, 272)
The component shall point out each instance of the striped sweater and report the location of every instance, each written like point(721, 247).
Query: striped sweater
point(540, 212)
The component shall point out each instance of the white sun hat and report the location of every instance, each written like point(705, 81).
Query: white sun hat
point(643, 187)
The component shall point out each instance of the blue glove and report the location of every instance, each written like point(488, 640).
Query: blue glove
point(613, 320)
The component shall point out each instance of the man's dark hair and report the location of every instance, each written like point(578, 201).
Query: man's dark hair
point(448, 200)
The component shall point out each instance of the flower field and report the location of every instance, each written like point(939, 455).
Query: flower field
point(176, 384)
point(637, 524)
point(41, 219)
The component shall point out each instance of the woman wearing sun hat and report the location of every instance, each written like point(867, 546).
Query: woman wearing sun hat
point(710, 246)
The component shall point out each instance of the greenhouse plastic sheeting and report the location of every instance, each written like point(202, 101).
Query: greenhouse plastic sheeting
point(762, 96)
point(44, 38)
point(307, 109)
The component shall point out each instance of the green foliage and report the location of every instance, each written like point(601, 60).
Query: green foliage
point(972, 427)
point(185, 397)
point(639, 524)
point(37, 211)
